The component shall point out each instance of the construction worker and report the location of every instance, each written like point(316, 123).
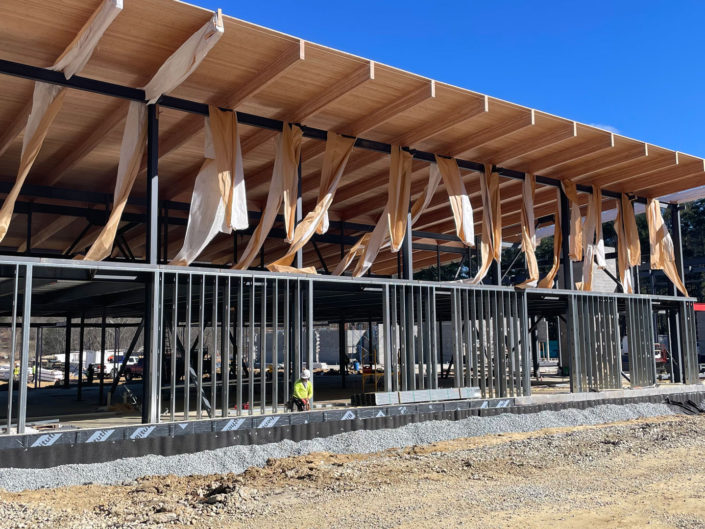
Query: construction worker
point(303, 392)
point(16, 372)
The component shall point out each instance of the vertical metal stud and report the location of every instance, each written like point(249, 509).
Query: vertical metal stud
point(13, 349)
point(187, 348)
point(24, 354)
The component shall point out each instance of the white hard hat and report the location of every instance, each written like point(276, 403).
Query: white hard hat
point(305, 374)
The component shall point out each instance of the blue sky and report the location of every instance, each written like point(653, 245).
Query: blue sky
point(634, 66)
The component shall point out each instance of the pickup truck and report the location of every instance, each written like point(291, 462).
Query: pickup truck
point(133, 370)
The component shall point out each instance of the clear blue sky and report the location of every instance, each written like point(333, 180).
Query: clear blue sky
point(635, 66)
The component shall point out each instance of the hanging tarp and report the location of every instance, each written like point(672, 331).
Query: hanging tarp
point(184, 61)
point(628, 246)
point(369, 245)
point(663, 255)
point(77, 54)
point(338, 150)
point(575, 241)
point(593, 242)
point(134, 139)
point(47, 100)
point(282, 189)
point(459, 200)
point(171, 74)
point(528, 231)
point(218, 202)
point(420, 204)
point(398, 196)
point(491, 243)
point(549, 279)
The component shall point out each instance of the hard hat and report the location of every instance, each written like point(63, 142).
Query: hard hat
point(305, 374)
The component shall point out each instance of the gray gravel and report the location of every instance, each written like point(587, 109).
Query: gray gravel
point(237, 459)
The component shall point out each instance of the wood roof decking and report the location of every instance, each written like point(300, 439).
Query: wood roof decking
point(263, 72)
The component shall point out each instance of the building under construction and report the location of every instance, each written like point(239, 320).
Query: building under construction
point(222, 189)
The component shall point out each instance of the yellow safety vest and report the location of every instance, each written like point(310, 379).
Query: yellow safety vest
point(301, 391)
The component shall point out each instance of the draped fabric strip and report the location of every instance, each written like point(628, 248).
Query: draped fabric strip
point(398, 195)
point(628, 247)
point(420, 204)
point(528, 231)
point(549, 279)
point(338, 150)
point(286, 164)
point(663, 255)
point(171, 74)
point(459, 200)
point(184, 61)
point(575, 252)
point(218, 203)
point(593, 243)
point(369, 245)
point(77, 54)
point(134, 138)
point(491, 244)
point(47, 100)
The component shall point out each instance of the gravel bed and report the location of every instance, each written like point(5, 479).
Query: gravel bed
point(237, 459)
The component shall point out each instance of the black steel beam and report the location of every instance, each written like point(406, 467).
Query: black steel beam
point(135, 94)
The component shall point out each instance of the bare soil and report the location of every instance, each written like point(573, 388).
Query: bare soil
point(635, 474)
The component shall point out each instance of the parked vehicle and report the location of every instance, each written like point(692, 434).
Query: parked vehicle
point(113, 363)
point(133, 370)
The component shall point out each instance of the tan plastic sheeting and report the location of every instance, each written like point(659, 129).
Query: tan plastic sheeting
point(282, 188)
point(575, 241)
point(420, 204)
point(528, 231)
point(593, 243)
point(459, 200)
point(47, 100)
point(628, 246)
point(182, 63)
point(663, 255)
point(549, 279)
point(133, 143)
point(338, 150)
point(398, 195)
point(46, 103)
point(369, 245)
point(491, 244)
point(172, 73)
point(218, 203)
point(77, 54)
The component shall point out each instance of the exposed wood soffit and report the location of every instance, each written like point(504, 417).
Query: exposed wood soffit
point(359, 76)
point(90, 141)
point(16, 127)
point(292, 55)
point(389, 111)
point(586, 148)
point(490, 134)
point(560, 133)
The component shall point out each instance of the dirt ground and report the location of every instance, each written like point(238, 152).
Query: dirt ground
point(636, 474)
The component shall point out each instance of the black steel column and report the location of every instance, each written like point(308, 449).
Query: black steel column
point(496, 270)
point(406, 251)
point(342, 352)
point(677, 243)
point(568, 280)
point(152, 232)
point(67, 353)
point(102, 359)
point(438, 262)
point(151, 363)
